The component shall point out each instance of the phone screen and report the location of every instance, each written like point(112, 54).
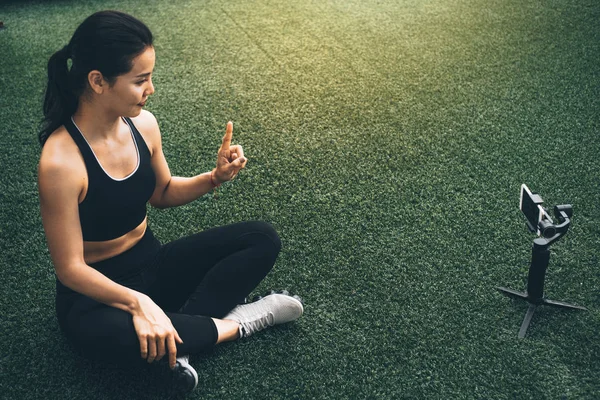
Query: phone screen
point(532, 210)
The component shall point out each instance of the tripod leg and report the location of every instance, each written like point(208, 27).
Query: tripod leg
point(527, 320)
point(512, 293)
point(562, 305)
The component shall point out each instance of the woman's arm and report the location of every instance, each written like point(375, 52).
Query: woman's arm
point(172, 191)
point(60, 182)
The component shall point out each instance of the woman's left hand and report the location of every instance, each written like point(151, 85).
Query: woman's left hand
point(230, 159)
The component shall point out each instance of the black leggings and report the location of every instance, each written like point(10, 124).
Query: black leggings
point(192, 279)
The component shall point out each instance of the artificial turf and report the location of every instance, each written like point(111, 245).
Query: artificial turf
point(387, 142)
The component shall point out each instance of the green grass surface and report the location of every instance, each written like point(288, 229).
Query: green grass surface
point(387, 141)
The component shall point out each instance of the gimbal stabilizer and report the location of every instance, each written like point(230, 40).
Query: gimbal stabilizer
point(540, 256)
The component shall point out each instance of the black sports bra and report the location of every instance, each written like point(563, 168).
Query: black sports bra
point(113, 207)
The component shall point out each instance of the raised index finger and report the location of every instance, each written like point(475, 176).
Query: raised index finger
point(227, 137)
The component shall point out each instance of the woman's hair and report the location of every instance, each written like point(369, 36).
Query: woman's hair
point(106, 41)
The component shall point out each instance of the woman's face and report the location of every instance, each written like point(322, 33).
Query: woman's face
point(129, 92)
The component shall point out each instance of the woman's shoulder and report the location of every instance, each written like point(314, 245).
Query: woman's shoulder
point(147, 125)
point(60, 155)
point(146, 122)
point(62, 176)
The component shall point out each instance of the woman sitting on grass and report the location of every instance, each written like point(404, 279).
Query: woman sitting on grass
point(120, 294)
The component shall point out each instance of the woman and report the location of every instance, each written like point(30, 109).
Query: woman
point(120, 293)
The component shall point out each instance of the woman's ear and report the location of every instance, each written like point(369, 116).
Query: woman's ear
point(96, 81)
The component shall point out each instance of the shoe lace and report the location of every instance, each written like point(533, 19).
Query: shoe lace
point(257, 324)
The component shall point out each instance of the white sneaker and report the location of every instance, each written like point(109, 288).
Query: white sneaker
point(186, 377)
point(274, 309)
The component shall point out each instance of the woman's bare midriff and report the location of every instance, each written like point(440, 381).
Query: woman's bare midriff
point(98, 251)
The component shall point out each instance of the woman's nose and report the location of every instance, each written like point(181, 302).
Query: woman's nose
point(151, 88)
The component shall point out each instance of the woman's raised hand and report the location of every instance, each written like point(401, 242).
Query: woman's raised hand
point(230, 159)
point(156, 333)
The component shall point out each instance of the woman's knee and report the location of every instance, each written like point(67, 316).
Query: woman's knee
point(264, 235)
point(105, 334)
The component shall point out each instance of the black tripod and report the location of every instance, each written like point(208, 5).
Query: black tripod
point(540, 256)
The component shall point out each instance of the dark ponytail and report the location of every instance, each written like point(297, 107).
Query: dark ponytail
point(106, 41)
point(60, 102)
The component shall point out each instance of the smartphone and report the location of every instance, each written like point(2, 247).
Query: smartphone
point(530, 205)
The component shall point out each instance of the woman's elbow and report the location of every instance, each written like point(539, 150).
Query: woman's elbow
point(158, 204)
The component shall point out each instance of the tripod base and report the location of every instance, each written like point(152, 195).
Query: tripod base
point(533, 304)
